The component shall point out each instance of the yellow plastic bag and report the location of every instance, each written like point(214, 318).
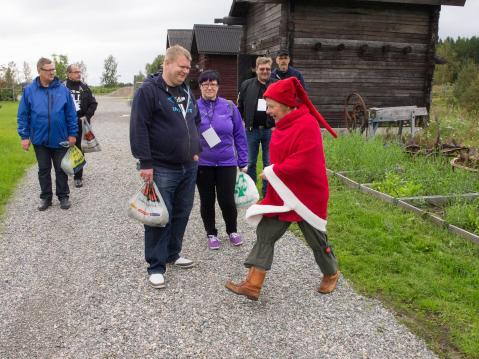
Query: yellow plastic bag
point(73, 161)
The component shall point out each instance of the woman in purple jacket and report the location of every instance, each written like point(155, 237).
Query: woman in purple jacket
point(224, 148)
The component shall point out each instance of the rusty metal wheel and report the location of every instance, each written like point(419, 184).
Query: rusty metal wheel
point(356, 114)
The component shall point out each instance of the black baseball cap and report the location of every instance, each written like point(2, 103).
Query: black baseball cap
point(283, 52)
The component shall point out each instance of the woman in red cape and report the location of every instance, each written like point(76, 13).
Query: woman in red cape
point(297, 190)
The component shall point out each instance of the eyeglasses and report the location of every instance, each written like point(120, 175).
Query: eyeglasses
point(48, 70)
point(264, 70)
point(205, 85)
point(75, 72)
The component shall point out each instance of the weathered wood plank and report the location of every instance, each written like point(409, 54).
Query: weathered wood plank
point(424, 2)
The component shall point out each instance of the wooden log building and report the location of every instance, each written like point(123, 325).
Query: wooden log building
point(383, 49)
point(212, 47)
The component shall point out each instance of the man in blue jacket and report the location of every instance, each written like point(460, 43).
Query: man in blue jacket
point(284, 69)
point(46, 117)
point(164, 137)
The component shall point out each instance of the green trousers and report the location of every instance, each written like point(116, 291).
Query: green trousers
point(270, 229)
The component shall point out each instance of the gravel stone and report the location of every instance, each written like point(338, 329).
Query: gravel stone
point(74, 284)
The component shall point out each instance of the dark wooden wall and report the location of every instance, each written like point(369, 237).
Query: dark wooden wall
point(226, 65)
point(384, 72)
point(263, 31)
point(227, 68)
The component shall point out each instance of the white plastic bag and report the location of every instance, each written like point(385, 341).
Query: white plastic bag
point(148, 207)
point(89, 142)
point(73, 161)
point(246, 192)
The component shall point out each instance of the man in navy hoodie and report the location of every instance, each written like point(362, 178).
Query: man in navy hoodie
point(164, 137)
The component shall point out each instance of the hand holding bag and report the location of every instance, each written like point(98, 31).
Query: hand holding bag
point(148, 207)
point(73, 161)
point(89, 143)
point(246, 192)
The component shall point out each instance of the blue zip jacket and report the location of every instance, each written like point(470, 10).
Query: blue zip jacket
point(223, 116)
point(47, 115)
point(159, 133)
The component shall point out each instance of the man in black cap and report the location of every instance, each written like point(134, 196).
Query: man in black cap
point(284, 70)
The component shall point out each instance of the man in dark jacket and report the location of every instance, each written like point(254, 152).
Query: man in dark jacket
point(252, 107)
point(164, 137)
point(284, 69)
point(85, 104)
point(46, 117)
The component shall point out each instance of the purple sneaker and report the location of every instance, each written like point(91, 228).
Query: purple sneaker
point(213, 242)
point(235, 239)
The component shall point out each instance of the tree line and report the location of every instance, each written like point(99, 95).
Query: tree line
point(13, 79)
point(461, 70)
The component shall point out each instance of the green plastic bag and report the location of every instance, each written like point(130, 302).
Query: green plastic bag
point(246, 192)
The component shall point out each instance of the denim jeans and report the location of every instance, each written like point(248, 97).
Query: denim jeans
point(45, 157)
point(177, 187)
point(257, 136)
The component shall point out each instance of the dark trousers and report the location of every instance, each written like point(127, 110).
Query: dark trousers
point(212, 182)
point(177, 187)
point(79, 174)
point(45, 157)
point(270, 229)
point(257, 137)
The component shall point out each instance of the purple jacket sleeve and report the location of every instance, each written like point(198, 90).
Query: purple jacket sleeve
point(239, 135)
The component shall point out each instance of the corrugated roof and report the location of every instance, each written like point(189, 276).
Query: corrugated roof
point(180, 37)
point(218, 39)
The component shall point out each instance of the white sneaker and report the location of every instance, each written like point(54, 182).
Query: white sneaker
point(157, 280)
point(184, 263)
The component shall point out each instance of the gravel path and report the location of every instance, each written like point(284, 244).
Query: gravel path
point(73, 283)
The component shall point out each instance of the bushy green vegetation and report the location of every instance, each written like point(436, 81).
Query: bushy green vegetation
point(450, 120)
point(461, 71)
point(393, 171)
point(13, 159)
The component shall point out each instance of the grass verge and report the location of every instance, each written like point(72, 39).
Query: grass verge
point(427, 276)
point(14, 161)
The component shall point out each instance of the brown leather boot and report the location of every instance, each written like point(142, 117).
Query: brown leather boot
point(251, 286)
point(328, 283)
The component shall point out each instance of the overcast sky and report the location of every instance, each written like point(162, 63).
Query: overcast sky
point(134, 32)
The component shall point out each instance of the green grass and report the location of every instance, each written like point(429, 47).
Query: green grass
point(464, 215)
point(427, 276)
point(14, 161)
point(373, 160)
point(450, 120)
point(103, 90)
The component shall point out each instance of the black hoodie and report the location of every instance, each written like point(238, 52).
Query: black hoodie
point(160, 134)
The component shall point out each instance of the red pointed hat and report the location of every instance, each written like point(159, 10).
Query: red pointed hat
point(291, 93)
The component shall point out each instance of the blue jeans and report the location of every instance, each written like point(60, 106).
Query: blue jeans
point(255, 137)
point(177, 187)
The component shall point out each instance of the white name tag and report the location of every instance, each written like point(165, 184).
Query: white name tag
point(211, 137)
point(77, 103)
point(261, 105)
